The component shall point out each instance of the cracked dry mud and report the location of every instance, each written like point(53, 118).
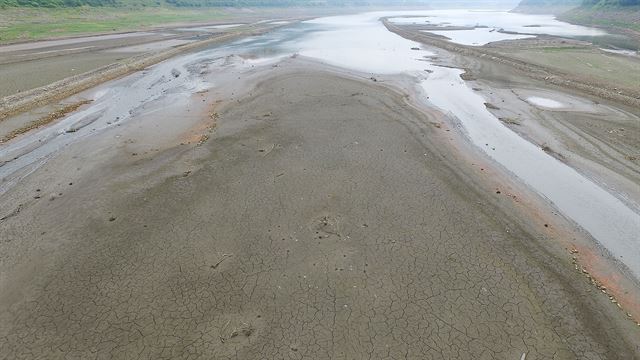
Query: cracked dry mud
point(353, 237)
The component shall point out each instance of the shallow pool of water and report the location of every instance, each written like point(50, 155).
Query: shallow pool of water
point(621, 52)
point(210, 28)
point(478, 36)
point(544, 102)
point(499, 19)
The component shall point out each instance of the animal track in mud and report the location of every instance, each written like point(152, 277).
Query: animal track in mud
point(326, 226)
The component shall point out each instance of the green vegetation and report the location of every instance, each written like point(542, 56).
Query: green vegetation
point(605, 18)
point(38, 19)
point(33, 23)
point(546, 3)
point(192, 3)
point(613, 14)
point(610, 3)
point(547, 6)
point(583, 3)
point(612, 70)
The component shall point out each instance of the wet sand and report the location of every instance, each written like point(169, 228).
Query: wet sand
point(324, 217)
point(596, 137)
point(25, 67)
point(598, 86)
point(28, 75)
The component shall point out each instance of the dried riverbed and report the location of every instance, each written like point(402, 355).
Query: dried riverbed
point(273, 198)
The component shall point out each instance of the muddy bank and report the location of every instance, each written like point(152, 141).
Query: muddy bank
point(29, 99)
point(626, 96)
point(324, 217)
point(598, 138)
point(24, 76)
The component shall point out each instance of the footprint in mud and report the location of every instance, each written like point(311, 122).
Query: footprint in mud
point(326, 226)
point(238, 328)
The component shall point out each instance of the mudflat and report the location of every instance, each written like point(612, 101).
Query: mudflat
point(323, 218)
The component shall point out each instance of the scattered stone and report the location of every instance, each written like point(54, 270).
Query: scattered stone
point(509, 121)
point(203, 139)
point(113, 218)
point(467, 76)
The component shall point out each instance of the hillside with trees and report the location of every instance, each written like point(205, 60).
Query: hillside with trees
point(610, 3)
point(546, 6)
point(612, 14)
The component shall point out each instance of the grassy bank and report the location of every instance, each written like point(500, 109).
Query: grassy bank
point(20, 24)
point(627, 18)
point(612, 70)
